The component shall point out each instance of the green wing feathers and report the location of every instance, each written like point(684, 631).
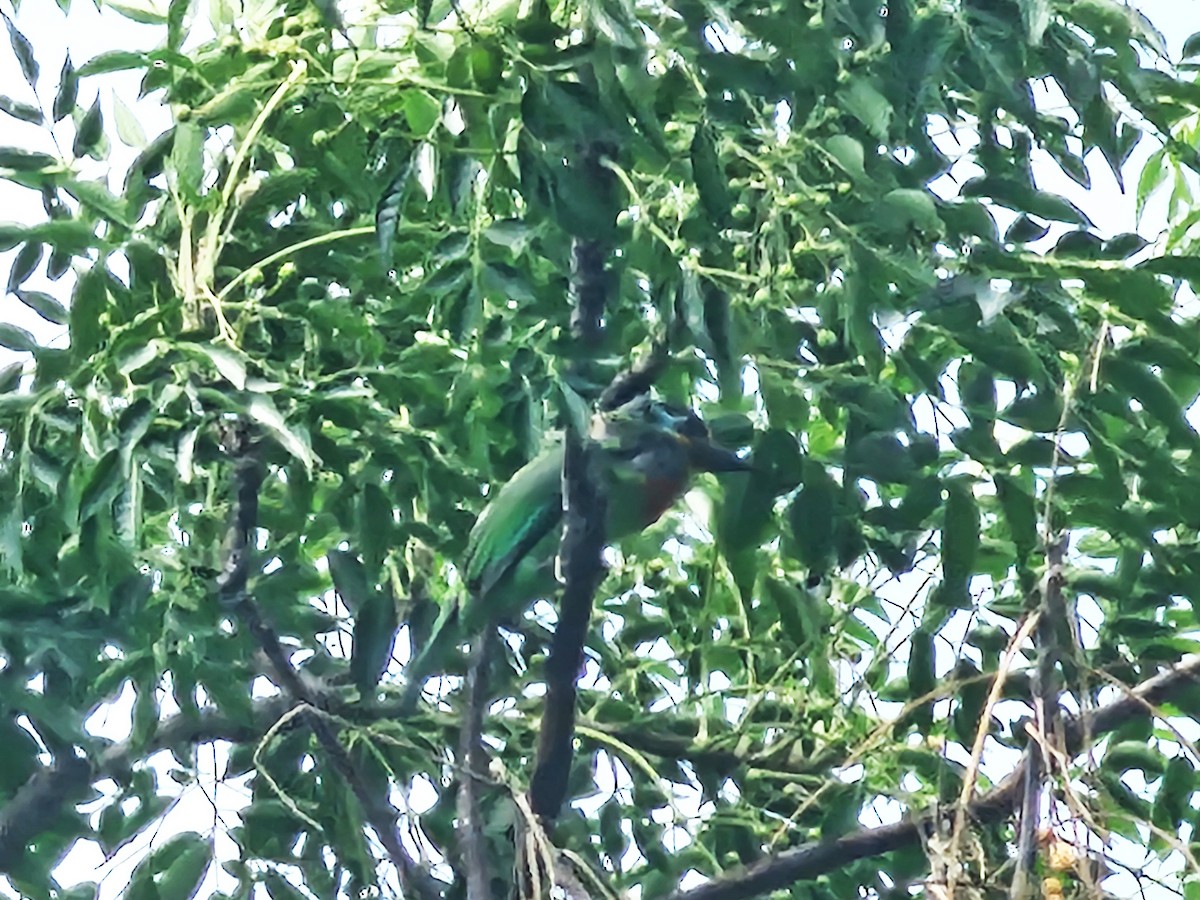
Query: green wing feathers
point(503, 565)
point(521, 515)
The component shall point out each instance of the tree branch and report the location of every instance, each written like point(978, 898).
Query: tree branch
point(1046, 709)
point(582, 563)
point(232, 590)
point(635, 380)
point(44, 792)
point(247, 481)
point(37, 804)
point(584, 511)
point(473, 763)
point(808, 861)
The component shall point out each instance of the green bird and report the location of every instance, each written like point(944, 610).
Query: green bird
point(648, 452)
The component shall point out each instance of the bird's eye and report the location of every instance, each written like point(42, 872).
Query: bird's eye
point(694, 427)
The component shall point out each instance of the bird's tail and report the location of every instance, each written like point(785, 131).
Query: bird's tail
point(424, 661)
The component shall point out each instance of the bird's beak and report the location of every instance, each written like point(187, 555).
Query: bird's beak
point(710, 458)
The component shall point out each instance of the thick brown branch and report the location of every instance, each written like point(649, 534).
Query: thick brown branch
point(589, 290)
point(584, 509)
point(582, 563)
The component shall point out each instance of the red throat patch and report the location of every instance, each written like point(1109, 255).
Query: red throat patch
point(660, 495)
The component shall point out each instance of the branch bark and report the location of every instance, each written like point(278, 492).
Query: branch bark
point(585, 509)
point(583, 570)
point(37, 804)
point(1046, 703)
point(473, 763)
point(635, 380)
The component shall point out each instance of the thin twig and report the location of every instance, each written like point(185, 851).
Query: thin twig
point(809, 861)
point(969, 777)
point(18, 827)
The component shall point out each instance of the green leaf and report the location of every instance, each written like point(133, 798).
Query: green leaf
point(849, 154)
point(97, 196)
point(88, 303)
point(512, 234)
point(1136, 380)
point(509, 282)
point(68, 91)
point(296, 442)
point(187, 158)
point(387, 210)
point(23, 160)
point(183, 876)
point(880, 457)
point(137, 12)
point(864, 101)
point(1127, 755)
point(24, 111)
point(1056, 208)
point(177, 12)
point(129, 129)
point(921, 676)
point(812, 517)
point(1191, 47)
point(803, 618)
point(1173, 800)
point(1017, 502)
point(89, 131)
point(1025, 230)
point(903, 208)
point(113, 61)
point(423, 112)
point(100, 487)
point(16, 338)
point(960, 542)
point(280, 888)
point(1123, 246)
point(1186, 268)
point(349, 579)
point(375, 626)
point(711, 181)
point(24, 265)
point(10, 376)
point(23, 50)
point(228, 361)
point(1154, 173)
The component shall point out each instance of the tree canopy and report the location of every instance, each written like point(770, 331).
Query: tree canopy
point(936, 641)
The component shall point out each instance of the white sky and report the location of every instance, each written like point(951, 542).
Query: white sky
point(88, 32)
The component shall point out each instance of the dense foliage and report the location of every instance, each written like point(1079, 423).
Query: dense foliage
point(967, 405)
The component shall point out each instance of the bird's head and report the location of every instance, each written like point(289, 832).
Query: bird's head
point(645, 422)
